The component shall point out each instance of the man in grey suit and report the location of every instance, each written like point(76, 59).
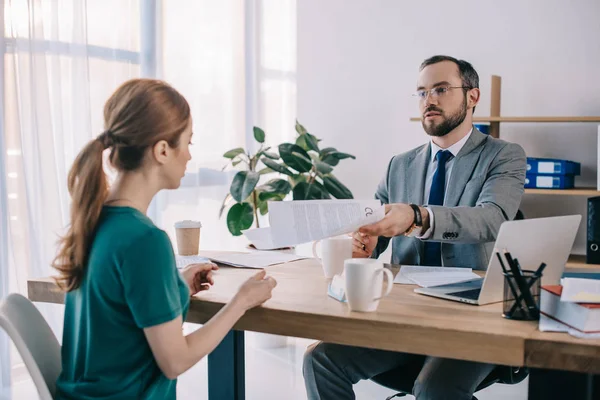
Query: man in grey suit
point(445, 202)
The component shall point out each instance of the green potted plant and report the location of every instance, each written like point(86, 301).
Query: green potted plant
point(307, 167)
point(310, 169)
point(249, 198)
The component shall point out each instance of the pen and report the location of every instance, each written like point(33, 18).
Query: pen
point(523, 288)
point(538, 272)
point(518, 265)
point(537, 275)
point(512, 288)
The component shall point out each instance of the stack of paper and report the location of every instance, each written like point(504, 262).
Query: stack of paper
point(433, 276)
point(578, 290)
point(184, 261)
point(297, 222)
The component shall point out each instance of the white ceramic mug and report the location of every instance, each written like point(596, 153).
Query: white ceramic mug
point(364, 282)
point(335, 251)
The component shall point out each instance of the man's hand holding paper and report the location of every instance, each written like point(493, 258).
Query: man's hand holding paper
point(398, 219)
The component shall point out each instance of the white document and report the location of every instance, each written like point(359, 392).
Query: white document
point(433, 276)
point(255, 259)
point(302, 221)
point(579, 290)
point(184, 261)
point(261, 238)
point(548, 324)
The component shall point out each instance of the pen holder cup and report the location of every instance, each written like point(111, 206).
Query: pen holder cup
point(515, 305)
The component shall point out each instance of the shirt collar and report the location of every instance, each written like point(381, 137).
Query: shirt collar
point(454, 149)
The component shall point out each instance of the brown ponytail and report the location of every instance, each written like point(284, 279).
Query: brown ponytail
point(138, 115)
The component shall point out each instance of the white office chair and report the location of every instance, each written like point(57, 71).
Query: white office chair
point(35, 341)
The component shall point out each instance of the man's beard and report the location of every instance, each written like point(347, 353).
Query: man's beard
point(448, 124)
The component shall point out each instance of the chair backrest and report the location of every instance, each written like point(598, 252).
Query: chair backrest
point(34, 340)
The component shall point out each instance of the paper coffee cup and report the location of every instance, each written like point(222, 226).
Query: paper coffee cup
point(188, 237)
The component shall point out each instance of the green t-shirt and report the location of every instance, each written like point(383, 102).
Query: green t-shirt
point(131, 282)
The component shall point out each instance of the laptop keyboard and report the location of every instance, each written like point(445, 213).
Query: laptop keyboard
point(471, 294)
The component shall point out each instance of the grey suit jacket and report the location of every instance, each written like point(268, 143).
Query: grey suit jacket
point(484, 190)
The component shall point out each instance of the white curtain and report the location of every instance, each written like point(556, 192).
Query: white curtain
point(235, 62)
point(62, 59)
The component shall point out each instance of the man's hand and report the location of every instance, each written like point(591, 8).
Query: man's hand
point(398, 218)
point(199, 277)
point(363, 245)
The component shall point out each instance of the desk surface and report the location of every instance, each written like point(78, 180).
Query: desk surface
point(405, 321)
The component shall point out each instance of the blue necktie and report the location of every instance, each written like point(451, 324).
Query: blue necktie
point(433, 250)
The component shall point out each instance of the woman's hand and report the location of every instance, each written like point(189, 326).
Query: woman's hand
point(199, 277)
point(255, 291)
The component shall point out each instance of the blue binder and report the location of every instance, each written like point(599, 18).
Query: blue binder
point(551, 166)
point(534, 181)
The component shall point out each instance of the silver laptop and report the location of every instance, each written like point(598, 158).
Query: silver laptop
point(531, 241)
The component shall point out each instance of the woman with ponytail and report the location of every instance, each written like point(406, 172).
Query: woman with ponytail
point(126, 300)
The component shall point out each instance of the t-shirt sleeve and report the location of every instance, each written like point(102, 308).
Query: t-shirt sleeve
point(150, 280)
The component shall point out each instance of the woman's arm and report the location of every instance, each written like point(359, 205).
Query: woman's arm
point(176, 353)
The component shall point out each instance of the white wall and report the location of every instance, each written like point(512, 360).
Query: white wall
point(358, 64)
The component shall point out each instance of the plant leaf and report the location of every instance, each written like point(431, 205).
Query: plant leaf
point(342, 156)
point(280, 186)
point(295, 157)
point(312, 191)
point(243, 184)
point(234, 152)
point(240, 217)
point(327, 150)
point(323, 168)
point(272, 156)
point(300, 129)
point(276, 166)
point(259, 134)
point(236, 162)
point(312, 142)
point(295, 179)
point(331, 160)
point(265, 171)
point(263, 207)
point(336, 188)
point(225, 201)
point(273, 196)
point(301, 141)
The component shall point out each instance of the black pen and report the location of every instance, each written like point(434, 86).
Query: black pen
point(538, 272)
point(537, 275)
point(523, 288)
point(516, 261)
point(510, 285)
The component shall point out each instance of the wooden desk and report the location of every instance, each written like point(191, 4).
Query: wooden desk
point(404, 321)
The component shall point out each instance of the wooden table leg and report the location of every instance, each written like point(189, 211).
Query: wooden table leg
point(226, 379)
point(547, 384)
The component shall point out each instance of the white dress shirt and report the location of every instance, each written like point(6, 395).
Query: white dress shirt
point(454, 149)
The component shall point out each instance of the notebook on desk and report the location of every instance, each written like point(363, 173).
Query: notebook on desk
point(532, 241)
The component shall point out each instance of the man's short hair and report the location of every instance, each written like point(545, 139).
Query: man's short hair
point(468, 75)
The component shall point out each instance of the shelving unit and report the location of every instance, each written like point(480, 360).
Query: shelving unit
point(575, 261)
point(588, 192)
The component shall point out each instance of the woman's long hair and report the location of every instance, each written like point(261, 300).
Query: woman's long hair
point(140, 113)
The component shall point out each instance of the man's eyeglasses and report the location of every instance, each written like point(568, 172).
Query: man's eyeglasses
point(436, 92)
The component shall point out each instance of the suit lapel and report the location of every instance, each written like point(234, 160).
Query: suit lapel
point(415, 171)
point(464, 163)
